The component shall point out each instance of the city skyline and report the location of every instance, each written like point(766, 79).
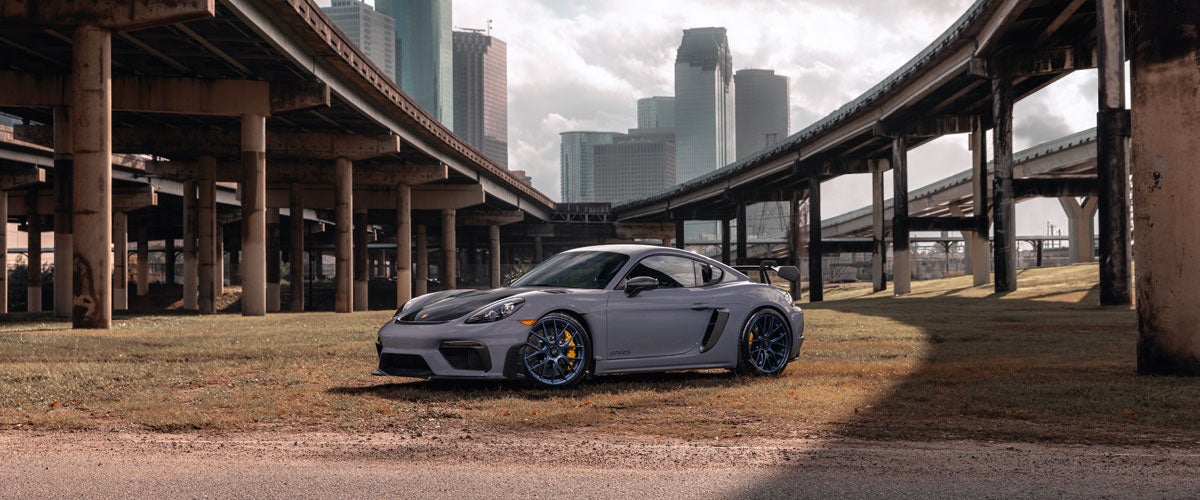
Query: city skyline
point(480, 93)
point(704, 121)
point(425, 53)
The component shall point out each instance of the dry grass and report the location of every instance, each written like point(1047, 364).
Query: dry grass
point(944, 363)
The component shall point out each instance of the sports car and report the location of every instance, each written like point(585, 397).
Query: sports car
point(595, 311)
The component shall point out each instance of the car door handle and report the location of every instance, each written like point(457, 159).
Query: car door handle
point(700, 306)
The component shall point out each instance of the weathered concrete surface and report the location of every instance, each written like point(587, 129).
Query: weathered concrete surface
point(274, 301)
point(33, 288)
point(1080, 227)
point(4, 253)
point(403, 244)
point(1003, 213)
point(422, 281)
point(494, 255)
point(296, 247)
point(879, 246)
point(361, 269)
point(1112, 158)
point(977, 242)
point(91, 133)
point(191, 257)
point(64, 166)
point(254, 216)
point(344, 242)
point(449, 250)
point(143, 262)
point(901, 256)
point(120, 282)
point(206, 226)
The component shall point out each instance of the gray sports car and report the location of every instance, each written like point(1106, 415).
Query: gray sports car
point(595, 311)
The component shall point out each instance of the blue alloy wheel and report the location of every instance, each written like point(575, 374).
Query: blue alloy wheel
point(557, 351)
point(765, 344)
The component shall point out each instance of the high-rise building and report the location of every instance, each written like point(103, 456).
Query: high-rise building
point(481, 93)
point(425, 53)
point(704, 103)
point(762, 109)
point(577, 166)
point(633, 166)
point(656, 112)
point(373, 32)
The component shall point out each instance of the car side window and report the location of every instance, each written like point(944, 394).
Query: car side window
point(670, 271)
point(707, 275)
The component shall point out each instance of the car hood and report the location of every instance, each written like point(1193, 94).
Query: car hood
point(456, 304)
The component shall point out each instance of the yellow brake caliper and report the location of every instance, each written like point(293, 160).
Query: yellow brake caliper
point(570, 343)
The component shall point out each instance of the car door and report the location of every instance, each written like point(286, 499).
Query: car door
point(666, 321)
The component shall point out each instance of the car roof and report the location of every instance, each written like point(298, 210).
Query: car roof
point(637, 251)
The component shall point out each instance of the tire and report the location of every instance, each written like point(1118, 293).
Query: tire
point(765, 344)
point(557, 352)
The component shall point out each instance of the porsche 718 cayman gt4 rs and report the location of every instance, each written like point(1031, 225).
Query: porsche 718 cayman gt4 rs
point(594, 311)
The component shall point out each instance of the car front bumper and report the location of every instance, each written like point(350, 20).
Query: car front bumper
point(451, 350)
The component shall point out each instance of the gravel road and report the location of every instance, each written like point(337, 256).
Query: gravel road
point(461, 465)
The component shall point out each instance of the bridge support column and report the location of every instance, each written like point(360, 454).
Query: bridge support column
point(191, 265)
point(253, 264)
point(879, 243)
point(219, 262)
point(793, 235)
point(1112, 159)
point(344, 242)
point(143, 262)
point(33, 297)
point(274, 301)
point(91, 134)
point(901, 258)
point(725, 241)
point(296, 247)
point(1164, 62)
point(63, 240)
point(537, 250)
point(977, 241)
point(206, 227)
point(679, 233)
point(169, 260)
point(494, 255)
point(1005, 257)
point(741, 230)
point(4, 252)
point(361, 266)
point(1079, 217)
point(449, 250)
point(403, 244)
point(120, 278)
point(421, 285)
point(816, 271)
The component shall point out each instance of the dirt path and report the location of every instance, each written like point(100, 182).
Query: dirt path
point(458, 464)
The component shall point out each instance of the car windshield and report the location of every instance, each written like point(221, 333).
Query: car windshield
point(575, 270)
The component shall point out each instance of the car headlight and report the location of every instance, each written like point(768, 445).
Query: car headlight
point(497, 311)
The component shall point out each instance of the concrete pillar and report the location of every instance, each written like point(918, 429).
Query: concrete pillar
point(1079, 227)
point(191, 256)
point(1166, 112)
point(977, 241)
point(344, 241)
point(361, 266)
point(169, 258)
point(816, 273)
point(449, 250)
point(679, 234)
point(296, 247)
point(274, 304)
point(879, 247)
point(494, 255)
point(741, 231)
point(1112, 158)
point(403, 244)
point(725, 241)
point(206, 227)
point(120, 277)
point(901, 258)
point(254, 215)
point(537, 250)
point(143, 262)
point(33, 297)
point(422, 281)
point(1005, 257)
point(3, 252)
point(795, 241)
point(91, 134)
point(219, 262)
point(64, 166)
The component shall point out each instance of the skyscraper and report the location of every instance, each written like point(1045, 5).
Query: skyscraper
point(633, 166)
point(577, 166)
point(424, 53)
point(704, 103)
point(656, 112)
point(481, 93)
point(371, 31)
point(762, 109)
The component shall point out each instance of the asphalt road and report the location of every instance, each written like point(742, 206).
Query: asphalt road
point(456, 464)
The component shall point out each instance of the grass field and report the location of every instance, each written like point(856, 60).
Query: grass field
point(948, 362)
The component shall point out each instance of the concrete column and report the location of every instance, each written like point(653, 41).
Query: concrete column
point(879, 247)
point(33, 297)
point(404, 290)
point(794, 239)
point(725, 240)
point(740, 258)
point(1079, 228)
point(273, 261)
point(64, 166)
point(120, 278)
point(143, 262)
point(977, 241)
point(296, 247)
point(422, 281)
point(91, 134)
point(901, 258)
point(1005, 257)
point(679, 234)
point(494, 254)
point(219, 262)
point(1112, 158)
point(537, 250)
point(449, 250)
point(191, 256)
point(361, 266)
point(169, 258)
point(344, 241)
point(206, 227)
point(816, 273)
point(1166, 53)
point(254, 215)
point(4, 252)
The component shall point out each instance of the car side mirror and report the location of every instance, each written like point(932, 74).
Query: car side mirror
point(790, 273)
point(637, 284)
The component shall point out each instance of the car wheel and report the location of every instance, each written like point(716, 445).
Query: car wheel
point(764, 345)
point(556, 352)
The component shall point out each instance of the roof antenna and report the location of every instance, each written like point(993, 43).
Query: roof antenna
point(489, 27)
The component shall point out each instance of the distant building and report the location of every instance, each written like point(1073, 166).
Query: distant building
point(762, 109)
point(373, 32)
point(633, 167)
point(656, 112)
point(704, 103)
point(576, 164)
point(481, 93)
point(424, 53)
